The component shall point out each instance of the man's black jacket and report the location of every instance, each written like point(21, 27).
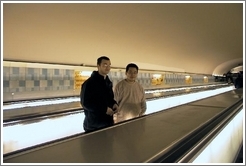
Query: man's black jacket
point(95, 96)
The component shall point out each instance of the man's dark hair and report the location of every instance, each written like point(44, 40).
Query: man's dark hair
point(99, 60)
point(131, 65)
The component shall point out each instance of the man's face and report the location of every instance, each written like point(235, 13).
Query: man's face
point(131, 74)
point(104, 67)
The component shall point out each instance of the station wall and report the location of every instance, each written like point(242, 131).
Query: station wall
point(25, 81)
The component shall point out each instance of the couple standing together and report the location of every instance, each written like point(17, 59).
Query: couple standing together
point(102, 106)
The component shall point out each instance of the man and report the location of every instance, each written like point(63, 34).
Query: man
point(97, 98)
point(238, 83)
point(130, 96)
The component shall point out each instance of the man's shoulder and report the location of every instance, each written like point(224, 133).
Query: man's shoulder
point(119, 84)
point(88, 81)
point(139, 85)
point(122, 82)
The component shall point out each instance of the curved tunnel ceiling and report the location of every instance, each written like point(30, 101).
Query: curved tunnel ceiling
point(185, 37)
point(234, 65)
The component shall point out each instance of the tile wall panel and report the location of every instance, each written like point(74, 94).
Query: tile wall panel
point(19, 79)
point(28, 79)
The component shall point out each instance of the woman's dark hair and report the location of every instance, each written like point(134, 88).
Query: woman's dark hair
point(131, 65)
point(99, 60)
